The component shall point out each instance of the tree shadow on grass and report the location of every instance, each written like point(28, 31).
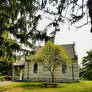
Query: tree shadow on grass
point(87, 90)
point(37, 85)
point(30, 86)
point(25, 86)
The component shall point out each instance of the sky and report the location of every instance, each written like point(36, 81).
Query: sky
point(82, 38)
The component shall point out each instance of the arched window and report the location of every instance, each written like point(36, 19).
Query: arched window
point(64, 68)
point(35, 68)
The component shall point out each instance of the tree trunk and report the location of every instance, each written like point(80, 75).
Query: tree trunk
point(89, 4)
point(52, 77)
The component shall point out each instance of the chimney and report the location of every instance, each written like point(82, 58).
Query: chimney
point(49, 39)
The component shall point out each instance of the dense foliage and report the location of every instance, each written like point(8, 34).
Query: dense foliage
point(5, 68)
point(18, 21)
point(20, 18)
point(86, 71)
point(52, 56)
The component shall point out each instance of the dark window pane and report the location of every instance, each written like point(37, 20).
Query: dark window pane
point(35, 68)
point(64, 68)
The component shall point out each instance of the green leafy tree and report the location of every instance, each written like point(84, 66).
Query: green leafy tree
point(18, 21)
point(6, 68)
point(7, 48)
point(7, 56)
point(52, 56)
point(86, 71)
point(20, 17)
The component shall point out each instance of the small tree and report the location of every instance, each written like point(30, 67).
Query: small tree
point(52, 56)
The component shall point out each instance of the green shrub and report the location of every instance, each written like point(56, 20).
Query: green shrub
point(0, 73)
point(2, 79)
point(7, 77)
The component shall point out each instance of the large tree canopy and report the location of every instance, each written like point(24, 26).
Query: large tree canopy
point(19, 18)
point(18, 21)
point(65, 11)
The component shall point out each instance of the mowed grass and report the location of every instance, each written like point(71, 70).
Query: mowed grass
point(83, 86)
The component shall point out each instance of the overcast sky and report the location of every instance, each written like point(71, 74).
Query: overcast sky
point(82, 36)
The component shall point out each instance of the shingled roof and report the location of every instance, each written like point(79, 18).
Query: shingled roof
point(69, 48)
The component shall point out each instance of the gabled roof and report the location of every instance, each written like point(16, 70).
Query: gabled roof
point(69, 48)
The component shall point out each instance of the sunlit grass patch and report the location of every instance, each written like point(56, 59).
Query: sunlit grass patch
point(83, 86)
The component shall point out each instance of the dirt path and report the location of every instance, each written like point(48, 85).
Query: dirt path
point(6, 82)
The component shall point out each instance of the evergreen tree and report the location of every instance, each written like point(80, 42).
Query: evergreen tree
point(18, 21)
point(86, 71)
point(20, 17)
point(5, 68)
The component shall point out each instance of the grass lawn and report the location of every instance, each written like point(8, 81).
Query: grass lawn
point(83, 86)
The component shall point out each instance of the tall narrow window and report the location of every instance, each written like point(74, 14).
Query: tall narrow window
point(64, 68)
point(35, 68)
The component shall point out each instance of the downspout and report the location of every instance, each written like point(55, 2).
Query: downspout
point(28, 71)
point(72, 71)
point(26, 60)
point(72, 61)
